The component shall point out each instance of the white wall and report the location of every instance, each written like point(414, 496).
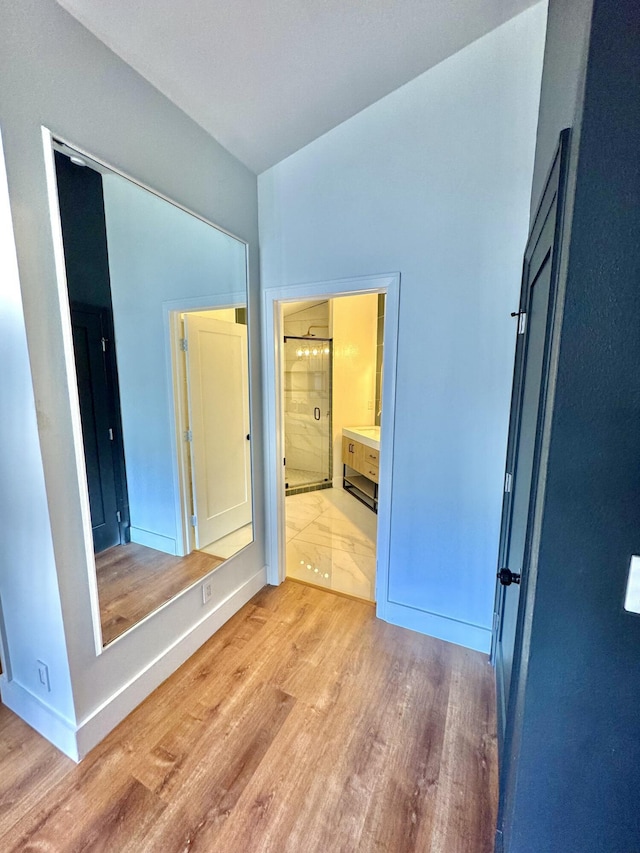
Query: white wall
point(27, 550)
point(565, 53)
point(158, 254)
point(434, 181)
point(54, 73)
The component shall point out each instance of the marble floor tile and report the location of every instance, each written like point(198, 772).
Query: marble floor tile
point(300, 516)
point(331, 541)
point(340, 533)
point(331, 567)
point(359, 515)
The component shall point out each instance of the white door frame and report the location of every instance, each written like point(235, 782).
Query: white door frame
point(272, 337)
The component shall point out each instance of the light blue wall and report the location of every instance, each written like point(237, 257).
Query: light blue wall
point(158, 253)
point(433, 181)
point(56, 74)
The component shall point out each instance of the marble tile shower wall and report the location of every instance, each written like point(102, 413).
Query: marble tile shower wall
point(317, 315)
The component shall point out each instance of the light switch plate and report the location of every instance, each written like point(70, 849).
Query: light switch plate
point(632, 598)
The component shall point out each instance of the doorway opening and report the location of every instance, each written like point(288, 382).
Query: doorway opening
point(330, 411)
point(331, 531)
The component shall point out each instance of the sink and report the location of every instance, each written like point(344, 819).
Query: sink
point(369, 435)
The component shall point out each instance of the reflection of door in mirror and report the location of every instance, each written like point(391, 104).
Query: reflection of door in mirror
point(99, 412)
point(85, 245)
point(217, 424)
point(129, 255)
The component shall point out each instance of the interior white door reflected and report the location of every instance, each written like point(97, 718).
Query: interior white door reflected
point(218, 401)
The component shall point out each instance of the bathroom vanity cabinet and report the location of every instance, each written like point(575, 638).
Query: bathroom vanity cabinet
point(361, 464)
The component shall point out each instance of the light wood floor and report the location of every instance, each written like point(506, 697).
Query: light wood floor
point(304, 725)
point(133, 581)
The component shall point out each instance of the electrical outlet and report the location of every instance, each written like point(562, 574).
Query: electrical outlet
point(43, 676)
point(207, 591)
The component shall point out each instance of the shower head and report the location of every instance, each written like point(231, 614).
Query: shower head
point(315, 326)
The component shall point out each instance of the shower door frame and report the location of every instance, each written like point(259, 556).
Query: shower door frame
point(273, 344)
point(329, 478)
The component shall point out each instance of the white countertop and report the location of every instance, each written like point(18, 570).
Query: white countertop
point(369, 435)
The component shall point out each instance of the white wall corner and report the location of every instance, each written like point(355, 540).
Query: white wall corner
point(60, 731)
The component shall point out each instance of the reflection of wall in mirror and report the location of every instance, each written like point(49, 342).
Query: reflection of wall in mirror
point(158, 253)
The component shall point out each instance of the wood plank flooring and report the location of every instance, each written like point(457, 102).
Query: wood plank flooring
point(133, 581)
point(304, 725)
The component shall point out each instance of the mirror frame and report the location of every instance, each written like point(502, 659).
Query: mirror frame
point(50, 139)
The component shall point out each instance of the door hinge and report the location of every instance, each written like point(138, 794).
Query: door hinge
point(103, 341)
point(188, 435)
point(184, 346)
point(194, 520)
point(496, 618)
point(507, 482)
point(118, 516)
point(110, 434)
point(522, 322)
point(284, 461)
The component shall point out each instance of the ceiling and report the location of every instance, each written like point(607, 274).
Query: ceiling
point(265, 77)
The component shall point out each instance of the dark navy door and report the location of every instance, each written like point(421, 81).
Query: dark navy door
point(98, 427)
point(535, 320)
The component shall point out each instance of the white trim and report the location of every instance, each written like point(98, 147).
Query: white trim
point(441, 627)
point(57, 729)
point(153, 540)
point(80, 470)
point(179, 462)
point(5, 661)
point(56, 138)
point(388, 284)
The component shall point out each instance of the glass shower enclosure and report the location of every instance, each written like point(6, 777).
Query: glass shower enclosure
point(307, 412)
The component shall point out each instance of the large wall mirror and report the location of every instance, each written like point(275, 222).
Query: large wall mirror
point(158, 308)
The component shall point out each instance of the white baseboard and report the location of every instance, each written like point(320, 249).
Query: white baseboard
point(441, 627)
point(100, 722)
point(153, 540)
point(47, 722)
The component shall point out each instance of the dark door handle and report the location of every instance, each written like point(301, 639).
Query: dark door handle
point(316, 413)
point(507, 577)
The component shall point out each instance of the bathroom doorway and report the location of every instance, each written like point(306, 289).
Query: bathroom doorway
point(331, 516)
point(330, 411)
